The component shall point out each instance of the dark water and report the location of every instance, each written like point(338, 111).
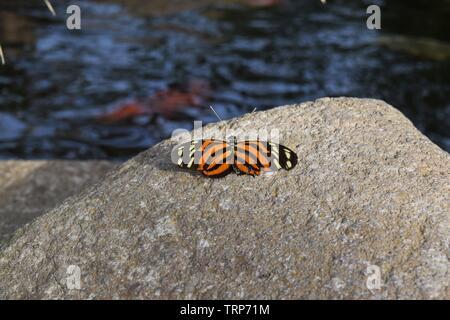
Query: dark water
point(57, 82)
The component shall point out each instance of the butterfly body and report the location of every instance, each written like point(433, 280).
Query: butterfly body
point(217, 158)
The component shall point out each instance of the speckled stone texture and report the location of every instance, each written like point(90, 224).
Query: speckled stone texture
point(30, 188)
point(369, 189)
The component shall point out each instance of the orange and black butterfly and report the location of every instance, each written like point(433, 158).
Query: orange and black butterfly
point(215, 158)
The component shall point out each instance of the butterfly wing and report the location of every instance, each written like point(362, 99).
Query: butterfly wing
point(212, 157)
point(254, 157)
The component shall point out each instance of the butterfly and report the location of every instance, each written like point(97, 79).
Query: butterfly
point(216, 158)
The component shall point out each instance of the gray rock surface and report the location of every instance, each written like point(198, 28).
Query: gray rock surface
point(30, 188)
point(369, 189)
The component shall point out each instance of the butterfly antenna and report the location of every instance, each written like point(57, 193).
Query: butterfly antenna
point(2, 57)
point(50, 7)
point(254, 110)
point(215, 113)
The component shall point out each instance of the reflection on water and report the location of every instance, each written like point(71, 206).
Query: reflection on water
point(128, 78)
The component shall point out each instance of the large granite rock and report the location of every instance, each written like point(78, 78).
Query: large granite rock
point(30, 188)
point(369, 190)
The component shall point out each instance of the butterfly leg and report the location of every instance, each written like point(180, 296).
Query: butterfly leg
point(253, 170)
point(247, 169)
point(237, 171)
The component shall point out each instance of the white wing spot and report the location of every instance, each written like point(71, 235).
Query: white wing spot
point(277, 164)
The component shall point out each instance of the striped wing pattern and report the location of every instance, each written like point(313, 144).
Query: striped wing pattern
point(255, 157)
point(212, 157)
point(216, 158)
